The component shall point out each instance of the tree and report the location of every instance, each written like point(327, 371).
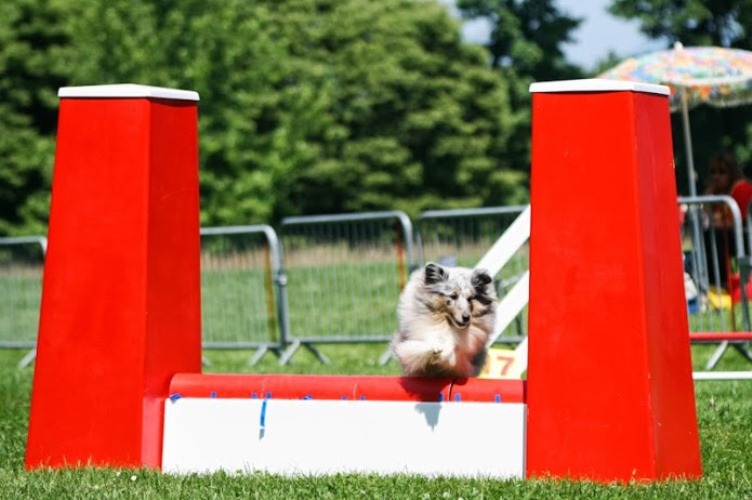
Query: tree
point(307, 106)
point(692, 22)
point(425, 123)
point(317, 106)
point(526, 46)
point(32, 39)
point(701, 23)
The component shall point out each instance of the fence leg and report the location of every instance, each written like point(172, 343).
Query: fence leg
point(28, 359)
point(297, 344)
point(261, 352)
point(386, 356)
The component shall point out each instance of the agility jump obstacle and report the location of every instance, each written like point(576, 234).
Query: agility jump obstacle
point(609, 394)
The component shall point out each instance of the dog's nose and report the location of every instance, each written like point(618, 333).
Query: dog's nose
point(465, 318)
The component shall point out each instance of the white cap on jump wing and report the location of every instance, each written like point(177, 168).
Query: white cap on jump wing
point(127, 90)
point(598, 85)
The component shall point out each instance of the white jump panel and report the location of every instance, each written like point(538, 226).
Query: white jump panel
point(328, 437)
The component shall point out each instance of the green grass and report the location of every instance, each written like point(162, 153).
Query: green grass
point(725, 419)
point(322, 299)
point(20, 297)
point(234, 306)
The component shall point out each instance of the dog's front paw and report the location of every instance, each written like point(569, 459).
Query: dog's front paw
point(449, 357)
point(442, 354)
point(433, 346)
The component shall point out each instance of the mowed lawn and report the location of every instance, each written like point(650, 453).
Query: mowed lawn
point(725, 419)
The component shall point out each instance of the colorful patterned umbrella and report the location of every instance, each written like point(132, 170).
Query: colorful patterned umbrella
point(711, 75)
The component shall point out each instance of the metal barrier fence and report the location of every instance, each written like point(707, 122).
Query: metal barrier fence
point(21, 267)
point(345, 274)
point(242, 290)
point(714, 258)
point(461, 237)
point(717, 267)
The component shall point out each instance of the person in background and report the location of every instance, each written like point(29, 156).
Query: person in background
point(726, 178)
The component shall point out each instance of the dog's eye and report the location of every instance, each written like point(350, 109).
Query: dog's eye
point(454, 296)
point(482, 299)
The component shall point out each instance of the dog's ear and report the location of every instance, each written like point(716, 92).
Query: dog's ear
point(434, 273)
point(480, 278)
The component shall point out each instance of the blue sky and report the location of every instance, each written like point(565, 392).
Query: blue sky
point(598, 34)
point(601, 33)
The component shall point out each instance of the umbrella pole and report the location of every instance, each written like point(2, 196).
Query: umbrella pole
point(688, 145)
point(697, 243)
point(697, 233)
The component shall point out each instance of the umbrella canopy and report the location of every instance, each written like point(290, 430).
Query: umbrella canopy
point(711, 75)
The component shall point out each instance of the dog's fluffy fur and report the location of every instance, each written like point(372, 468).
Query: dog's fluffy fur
point(446, 315)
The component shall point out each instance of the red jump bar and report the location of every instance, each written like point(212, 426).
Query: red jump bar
point(334, 387)
point(720, 337)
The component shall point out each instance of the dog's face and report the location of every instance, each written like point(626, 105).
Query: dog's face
point(458, 294)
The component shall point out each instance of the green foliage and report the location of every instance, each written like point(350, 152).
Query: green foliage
point(25, 175)
point(526, 35)
point(692, 22)
point(700, 23)
point(322, 106)
point(308, 106)
point(525, 46)
point(32, 38)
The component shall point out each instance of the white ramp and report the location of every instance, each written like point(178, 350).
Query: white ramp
point(517, 298)
point(511, 305)
point(513, 238)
